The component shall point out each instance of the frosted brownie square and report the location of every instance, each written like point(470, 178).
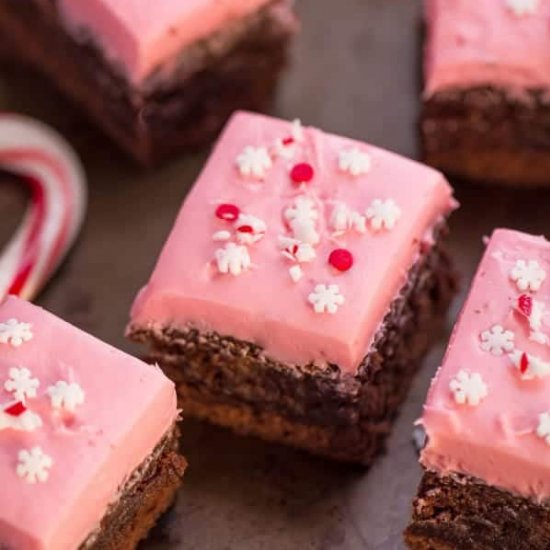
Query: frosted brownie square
point(159, 77)
point(300, 286)
point(88, 438)
point(487, 416)
point(486, 113)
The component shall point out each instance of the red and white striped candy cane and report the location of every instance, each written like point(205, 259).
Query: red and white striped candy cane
point(55, 176)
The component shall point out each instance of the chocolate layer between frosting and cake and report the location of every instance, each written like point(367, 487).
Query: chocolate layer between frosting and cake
point(487, 416)
point(88, 438)
point(299, 287)
point(486, 113)
point(158, 77)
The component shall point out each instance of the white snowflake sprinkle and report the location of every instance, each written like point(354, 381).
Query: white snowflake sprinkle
point(232, 259)
point(15, 332)
point(528, 275)
point(522, 7)
point(254, 162)
point(301, 218)
point(343, 219)
point(66, 395)
point(383, 214)
point(296, 251)
point(250, 229)
point(326, 298)
point(34, 465)
point(221, 236)
point(21, 383)
point(496, 340)
point(354, 161)
point(296, 273)
point(27, 421)
point(529, 366)
point(303, 208)
point(543, 428)
point(468, 388)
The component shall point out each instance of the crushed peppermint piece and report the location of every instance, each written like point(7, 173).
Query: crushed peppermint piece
point(285, 148)
point(18, 417)
point(254, 162)
point(383, 214)
point(302, 173)
point(530, 366)
point(341, 259)
point(21, 383)
point(539, 337)
point(233, 259)
point(15, 333)
point(525, 304)
point(354, 161)
point(297, 131)
point(34, 465)
point(296, 251)
point(496, 340)
point(250, 229)
point(296, 273)
point(343, 219)
point(227, 212)
point(326, 298)
point(16, 409)
point(66, 395)
point(528, 275)
point(468, 388)
point(221, 236)
point(522, 7)
point(543, 427)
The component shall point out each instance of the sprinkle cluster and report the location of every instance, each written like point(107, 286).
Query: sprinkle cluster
point(33, 465)
point(303, 216)
point(527, 275)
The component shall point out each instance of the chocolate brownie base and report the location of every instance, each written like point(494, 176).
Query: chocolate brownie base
point(180, 107)
point(321, 409)
point(456, 512)
point(489, 135)
point(143, 499)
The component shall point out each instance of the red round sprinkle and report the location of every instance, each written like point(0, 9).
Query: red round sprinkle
point(227, 212)
point(288, 141)
point(525, 304)
point(301, 173)
point(16, 409)
point(341, 259)
point(523, 363)
point(245, 229)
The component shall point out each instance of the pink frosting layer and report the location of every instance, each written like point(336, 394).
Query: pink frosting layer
point(263, 305)
point(140, 35)
point(128, 407)
point(494, 441)
point(483, 42)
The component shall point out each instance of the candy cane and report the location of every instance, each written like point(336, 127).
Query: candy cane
point(55, 176)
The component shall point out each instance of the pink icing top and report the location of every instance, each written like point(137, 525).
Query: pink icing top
point(264, 304)
point(94, 443)
point(502, 335)
point(482, 42)
point(142, 34)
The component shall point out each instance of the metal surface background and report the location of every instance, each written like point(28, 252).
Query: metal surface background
point(355, 72)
